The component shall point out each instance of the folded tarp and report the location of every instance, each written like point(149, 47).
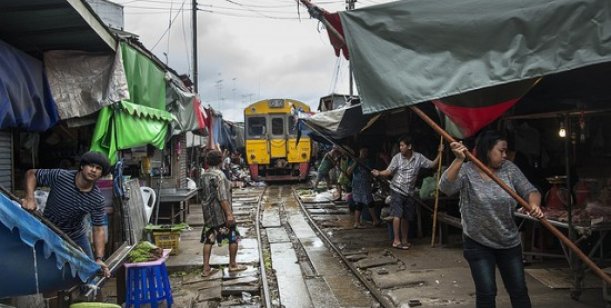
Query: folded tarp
point(407, 52)
point(33, 258)
point(84, 82)
point(194, 140)
point(340, 123)
point(25, 98)
point(184, 105)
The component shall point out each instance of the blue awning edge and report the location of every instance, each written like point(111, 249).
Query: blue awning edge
point(32, 233)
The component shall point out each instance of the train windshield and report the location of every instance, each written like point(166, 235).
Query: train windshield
point(256, 126)
point(277, 126)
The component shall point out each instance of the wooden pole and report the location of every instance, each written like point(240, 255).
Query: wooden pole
point(517, 197)
point(437, 176)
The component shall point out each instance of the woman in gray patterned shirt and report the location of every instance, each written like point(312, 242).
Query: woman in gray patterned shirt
point(491, 237)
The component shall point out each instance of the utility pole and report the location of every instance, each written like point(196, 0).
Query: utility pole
point(194, 26)
point(349, 7)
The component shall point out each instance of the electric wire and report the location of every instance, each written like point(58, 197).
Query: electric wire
point(168, 29)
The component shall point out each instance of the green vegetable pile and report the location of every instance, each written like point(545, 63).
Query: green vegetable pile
point(178, 227)
point(144, 252)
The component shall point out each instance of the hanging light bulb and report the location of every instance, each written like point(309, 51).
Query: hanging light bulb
point(562, 130)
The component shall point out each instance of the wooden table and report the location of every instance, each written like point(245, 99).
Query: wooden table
point(178, 202)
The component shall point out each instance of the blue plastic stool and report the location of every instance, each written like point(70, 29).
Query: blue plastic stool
point(148, 283)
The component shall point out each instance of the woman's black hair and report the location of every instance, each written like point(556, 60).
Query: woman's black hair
point(96, 158)
point(485, 142)
point(214, 158)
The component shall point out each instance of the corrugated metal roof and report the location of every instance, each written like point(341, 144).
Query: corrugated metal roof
point(35, 26)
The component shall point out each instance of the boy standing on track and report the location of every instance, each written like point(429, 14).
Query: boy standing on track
point(219, 223)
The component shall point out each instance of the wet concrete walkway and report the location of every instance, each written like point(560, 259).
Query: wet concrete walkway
point(433, 277)
point(191, 290)
point(315, 278)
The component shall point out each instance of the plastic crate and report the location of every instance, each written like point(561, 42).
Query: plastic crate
point(94, 305)
point(167, 240)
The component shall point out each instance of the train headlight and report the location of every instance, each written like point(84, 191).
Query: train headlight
point(252, 156)
point(304, 155)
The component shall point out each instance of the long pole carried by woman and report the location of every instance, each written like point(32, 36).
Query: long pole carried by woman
point(317, 13)
point(437, 176)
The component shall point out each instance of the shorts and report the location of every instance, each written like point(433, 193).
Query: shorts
point(323, 176)
point(220, 234)
point(358, 206)
point(402, 206)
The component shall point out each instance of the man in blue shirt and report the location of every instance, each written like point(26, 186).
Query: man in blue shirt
point(73, 195)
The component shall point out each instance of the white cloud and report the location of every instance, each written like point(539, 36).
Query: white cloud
point(256, 58)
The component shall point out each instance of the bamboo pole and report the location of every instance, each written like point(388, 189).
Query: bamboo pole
point(437, 176)
point(599, 272)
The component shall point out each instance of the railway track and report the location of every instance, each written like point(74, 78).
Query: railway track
point(315, 259)
point(305, 254)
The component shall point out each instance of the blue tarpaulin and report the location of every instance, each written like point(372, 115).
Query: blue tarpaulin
point(35, 259)
point(25, 97)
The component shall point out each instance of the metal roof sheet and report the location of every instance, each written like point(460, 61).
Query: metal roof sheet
point(35, 26)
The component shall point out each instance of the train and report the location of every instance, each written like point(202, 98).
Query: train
point(272, 151)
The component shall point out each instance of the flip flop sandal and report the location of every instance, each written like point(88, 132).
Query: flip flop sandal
point(237, 269)
point(401, 246)
point(210, 273)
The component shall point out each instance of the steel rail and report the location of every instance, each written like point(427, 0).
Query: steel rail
point(264, 284)
point(371, 288)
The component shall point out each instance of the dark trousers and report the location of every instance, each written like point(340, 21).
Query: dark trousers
point(83, 241)
point(483, 262)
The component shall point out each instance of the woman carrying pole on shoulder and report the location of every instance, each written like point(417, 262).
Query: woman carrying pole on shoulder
point(490, 235)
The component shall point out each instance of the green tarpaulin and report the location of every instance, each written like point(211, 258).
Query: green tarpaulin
point(140, 121)
point(129, 125)
point(413, 51)
point(146, 80)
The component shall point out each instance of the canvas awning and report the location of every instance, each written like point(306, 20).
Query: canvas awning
point(25, 98)
point(140, 121)
point(128, 126)
point(407, 52)
point(340, 123)
point(185, 106)
point(84, 82)
point(34, 258)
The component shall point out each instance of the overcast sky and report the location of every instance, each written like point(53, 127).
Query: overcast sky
point(247, 50)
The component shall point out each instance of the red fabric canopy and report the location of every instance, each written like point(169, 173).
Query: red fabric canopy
point(334, 20)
